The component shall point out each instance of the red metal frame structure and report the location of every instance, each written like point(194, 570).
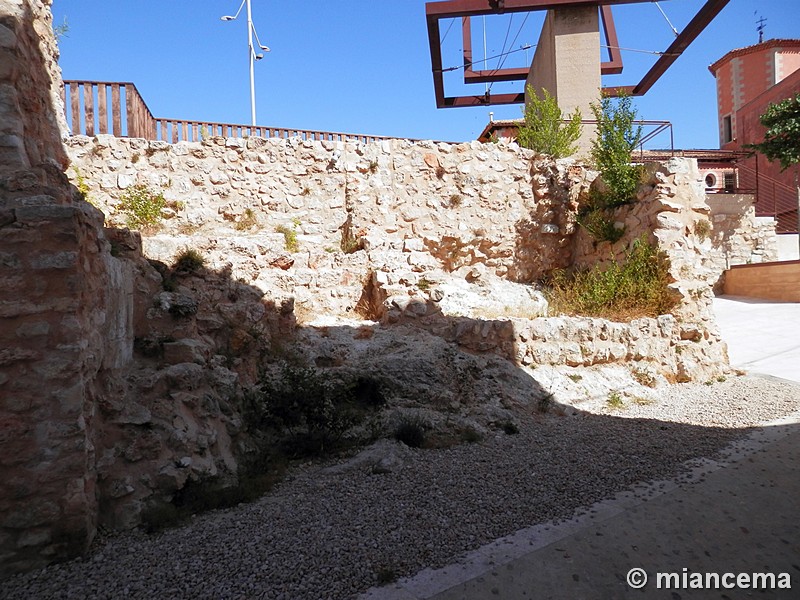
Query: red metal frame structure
point(613, 66)
point(435, 11)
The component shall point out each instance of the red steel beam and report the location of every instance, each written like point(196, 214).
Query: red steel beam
point(475, 8)
point(468, 8)
point(613, 66)
point(700, 21)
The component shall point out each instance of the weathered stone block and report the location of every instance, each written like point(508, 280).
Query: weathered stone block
point(57, 260)
point(29, 215)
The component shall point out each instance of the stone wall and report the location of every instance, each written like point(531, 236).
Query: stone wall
point(114, 392)
point(442, 231)
point(53, 305)
point(739, 237)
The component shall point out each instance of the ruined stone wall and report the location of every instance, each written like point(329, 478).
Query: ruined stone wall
point(53, 302)
point(445, 230)
point(738, 237)
point(114, 391)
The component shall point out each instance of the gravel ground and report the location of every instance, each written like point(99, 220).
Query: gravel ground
point(324, 534)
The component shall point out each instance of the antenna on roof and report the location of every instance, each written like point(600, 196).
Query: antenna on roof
point(762, 25)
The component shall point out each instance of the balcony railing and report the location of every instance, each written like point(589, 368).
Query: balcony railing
point(117, 108)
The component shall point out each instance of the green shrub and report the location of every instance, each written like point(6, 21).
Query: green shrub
point(410, 431)
point(599, 222)
point(545, 403)
point(617, 137)
point(637, 287)
point(248, 221)
point(614, 400)
point(642, 377)
point(141, 206)
point(310, 411)
point(189, 260)
point(471, 435)
point(702, 229)
point(545, 130)
point(509, 428)
point(350, 243)
point(81, 185)
point(289, 237)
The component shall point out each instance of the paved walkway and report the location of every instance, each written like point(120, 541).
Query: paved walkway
point(736, 515)
point(763, 337)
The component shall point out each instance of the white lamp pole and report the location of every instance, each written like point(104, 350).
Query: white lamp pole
point(251, 52)
point(252, 56)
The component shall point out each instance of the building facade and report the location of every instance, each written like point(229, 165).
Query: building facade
point(749, 80)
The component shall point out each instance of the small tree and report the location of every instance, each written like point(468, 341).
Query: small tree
point(617, 137)
point(782, 138)
point(545, 130)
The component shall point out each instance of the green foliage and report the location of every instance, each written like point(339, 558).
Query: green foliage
point(545, 403)
point(509, 428)
point(545, 130)
point(702, 229)
point(642, 377)
point(141, 206)
point(471, 436)
point(189, 260)
point(289, 237)
point(455, 200)
point(599, 222)
point(782, 138)
point(61, 30)
point(637, 287)
point(614, 400)
point(80, 183)
point(617, 137)
point(411, 431)
point(248, 221)
point(211, 494)
point(312, 412)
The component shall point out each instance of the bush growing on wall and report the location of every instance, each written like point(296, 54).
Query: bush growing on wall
point(545, 130)
point(311, 411)
point(617, 137)
point(636, 287)
point(142, 207)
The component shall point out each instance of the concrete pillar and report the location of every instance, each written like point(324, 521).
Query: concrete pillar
point(567, 63)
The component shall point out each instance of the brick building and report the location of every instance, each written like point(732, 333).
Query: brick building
point(748, 80)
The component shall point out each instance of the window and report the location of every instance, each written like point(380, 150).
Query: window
point(727, 129)
point(729, 182)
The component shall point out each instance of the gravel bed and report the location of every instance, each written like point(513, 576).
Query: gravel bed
point(323, 535)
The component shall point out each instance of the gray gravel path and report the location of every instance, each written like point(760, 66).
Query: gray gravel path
point(327, 535)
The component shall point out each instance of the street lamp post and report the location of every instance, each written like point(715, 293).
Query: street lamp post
point(251, 53)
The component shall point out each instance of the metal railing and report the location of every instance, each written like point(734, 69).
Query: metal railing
point(94, 107)
point(773, 198)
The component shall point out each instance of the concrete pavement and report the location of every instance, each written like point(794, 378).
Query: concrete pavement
point(763, 337)
point(737, 515)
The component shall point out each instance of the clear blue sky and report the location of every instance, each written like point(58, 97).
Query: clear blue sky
point(364, 67)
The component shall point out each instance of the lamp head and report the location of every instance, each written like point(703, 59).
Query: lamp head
point(227, 18)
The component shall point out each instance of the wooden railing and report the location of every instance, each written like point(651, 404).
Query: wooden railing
point(97, 107)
